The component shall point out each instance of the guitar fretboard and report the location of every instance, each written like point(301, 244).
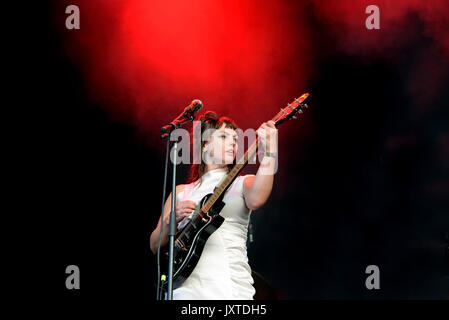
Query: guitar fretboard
point(285, 114)
point(230, 177)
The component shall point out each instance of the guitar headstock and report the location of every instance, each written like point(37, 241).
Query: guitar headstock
point(292, 109)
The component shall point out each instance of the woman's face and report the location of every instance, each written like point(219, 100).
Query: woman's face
point(221, 147)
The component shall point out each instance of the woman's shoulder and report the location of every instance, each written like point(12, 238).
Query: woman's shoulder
point(241, 180)
point(247, 177)
point(187, 187)
point(180, 188)
point(247, 181)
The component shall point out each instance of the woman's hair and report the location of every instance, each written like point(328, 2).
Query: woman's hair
point(209, 120)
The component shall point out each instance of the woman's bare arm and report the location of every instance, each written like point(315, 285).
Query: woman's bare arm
point(154, 238)
point(257, 189)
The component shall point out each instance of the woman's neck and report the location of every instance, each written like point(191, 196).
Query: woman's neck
point(210, 167)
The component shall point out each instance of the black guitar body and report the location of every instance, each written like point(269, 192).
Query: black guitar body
point(190, 241)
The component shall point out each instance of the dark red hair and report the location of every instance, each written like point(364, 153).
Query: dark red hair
point(209, 120)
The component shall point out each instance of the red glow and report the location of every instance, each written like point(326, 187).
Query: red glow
point(151, 58)
point(147, 59)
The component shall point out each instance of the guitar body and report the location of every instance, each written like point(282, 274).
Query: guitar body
point(190, 241)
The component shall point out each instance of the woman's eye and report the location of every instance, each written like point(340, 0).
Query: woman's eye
point(223, 136)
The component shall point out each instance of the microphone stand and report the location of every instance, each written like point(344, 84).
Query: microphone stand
point(172, 225)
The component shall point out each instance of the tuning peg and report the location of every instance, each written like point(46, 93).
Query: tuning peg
point(294, 117)
point(300, 111)
point(305, 105)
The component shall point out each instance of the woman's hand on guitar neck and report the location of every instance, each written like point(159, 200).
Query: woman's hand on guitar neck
point(267, 133)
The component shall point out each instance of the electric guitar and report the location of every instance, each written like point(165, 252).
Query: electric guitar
point(190, 241)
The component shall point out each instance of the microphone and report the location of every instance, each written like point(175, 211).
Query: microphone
point(194, 106)
point(186, 116)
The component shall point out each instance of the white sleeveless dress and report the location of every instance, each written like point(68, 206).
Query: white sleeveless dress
point(222, 273)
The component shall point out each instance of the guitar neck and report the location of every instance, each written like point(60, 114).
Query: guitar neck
point(224, 184)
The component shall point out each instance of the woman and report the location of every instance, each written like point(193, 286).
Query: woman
point(222, 272)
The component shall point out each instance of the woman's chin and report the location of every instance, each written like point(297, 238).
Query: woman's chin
point(229, 161)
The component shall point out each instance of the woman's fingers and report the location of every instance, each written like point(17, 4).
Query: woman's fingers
point(190, 204)
point(181, 214)
point(184, 209)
